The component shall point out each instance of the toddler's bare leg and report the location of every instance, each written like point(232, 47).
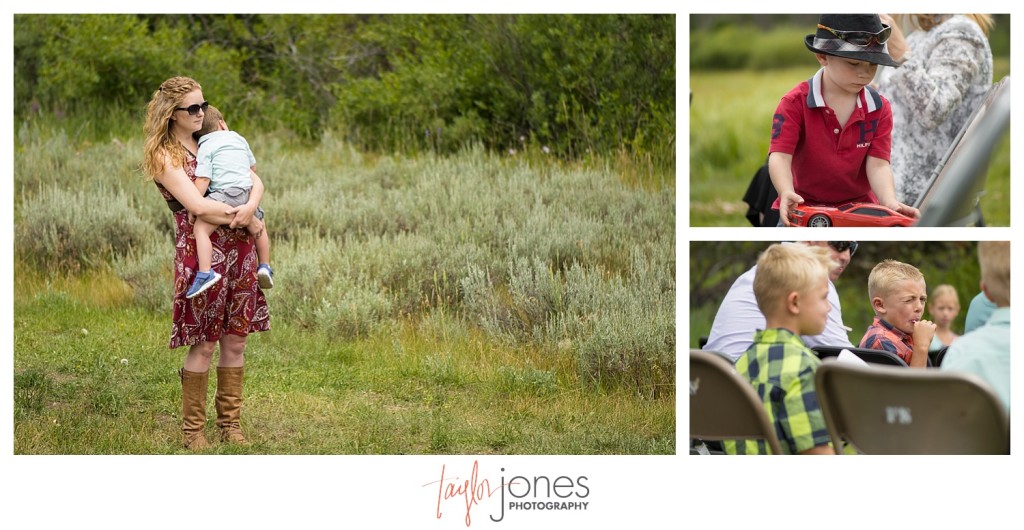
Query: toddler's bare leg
point(204, 249)
point(263, 246)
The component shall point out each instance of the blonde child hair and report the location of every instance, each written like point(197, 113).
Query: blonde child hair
point(944, 290)
point(887, 274)
point(784, 268)
point(994, 258)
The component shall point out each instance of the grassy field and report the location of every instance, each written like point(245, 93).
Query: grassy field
point(472, 304)
point(730, 118)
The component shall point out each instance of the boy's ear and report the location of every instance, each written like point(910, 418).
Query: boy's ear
point(822, 58)
point(878, 305)
point(793, 303)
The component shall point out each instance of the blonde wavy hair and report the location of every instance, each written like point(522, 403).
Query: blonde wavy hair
point(160, 145)
point(927, 22)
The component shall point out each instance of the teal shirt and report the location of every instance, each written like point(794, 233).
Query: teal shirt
point(781, 369)
point(224, 157)
point(978, 312)
point(985, 352)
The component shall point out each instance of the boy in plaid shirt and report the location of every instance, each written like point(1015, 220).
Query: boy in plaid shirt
point(898, 295)
point(791, 288)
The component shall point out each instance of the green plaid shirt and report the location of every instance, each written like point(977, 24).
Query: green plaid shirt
point(781, 369)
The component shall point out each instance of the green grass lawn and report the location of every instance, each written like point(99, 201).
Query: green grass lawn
point(93, 375)
point(730, 118)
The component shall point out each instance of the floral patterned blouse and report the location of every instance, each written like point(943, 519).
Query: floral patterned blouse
point(945, 77)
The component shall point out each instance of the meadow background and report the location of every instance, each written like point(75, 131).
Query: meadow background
point(715, 265)
point(740, 66)
point(472, 224)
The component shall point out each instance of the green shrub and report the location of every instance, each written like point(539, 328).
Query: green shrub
point(724, 49)
point(352, 308)
point(621, 329)
point(148, 270)
point(781, 47)
point(577, 84)
point(61, 230)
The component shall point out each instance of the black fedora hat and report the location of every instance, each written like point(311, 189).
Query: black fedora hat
point(860, 37)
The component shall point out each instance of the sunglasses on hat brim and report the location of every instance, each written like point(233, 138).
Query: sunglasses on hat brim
point(861, 38)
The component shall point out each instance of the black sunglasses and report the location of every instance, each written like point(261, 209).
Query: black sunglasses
point(861, 38)
point(194, 109)
point(841, 246)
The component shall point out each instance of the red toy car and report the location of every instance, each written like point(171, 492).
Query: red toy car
point(852, 214)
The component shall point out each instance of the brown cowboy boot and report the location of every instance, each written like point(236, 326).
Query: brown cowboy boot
point(229, 404)
point(193, 408)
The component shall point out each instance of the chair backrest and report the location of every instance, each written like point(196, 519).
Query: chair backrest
point(867, 354)
point(940, 355)
point(723, 405)
point(886, 410)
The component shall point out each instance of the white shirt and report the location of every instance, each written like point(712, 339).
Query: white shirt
point(738, 318)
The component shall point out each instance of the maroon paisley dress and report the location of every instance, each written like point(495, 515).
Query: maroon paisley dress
point(235, 304)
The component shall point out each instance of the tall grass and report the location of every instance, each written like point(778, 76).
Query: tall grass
point(389, 274)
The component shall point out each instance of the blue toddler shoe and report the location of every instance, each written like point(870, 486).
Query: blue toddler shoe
point(265, 275)
point(203, 281)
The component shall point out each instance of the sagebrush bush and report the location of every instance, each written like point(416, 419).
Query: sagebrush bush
point(622, 328)
point(352, 308)
point(148, 271)
point(524, 251)
point(307, 265)
point(63, 230)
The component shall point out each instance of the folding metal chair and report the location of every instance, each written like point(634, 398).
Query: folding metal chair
point(887, 410)
point(723, 405)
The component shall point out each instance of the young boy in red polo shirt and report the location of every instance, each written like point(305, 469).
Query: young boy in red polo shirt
point(831, 134)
